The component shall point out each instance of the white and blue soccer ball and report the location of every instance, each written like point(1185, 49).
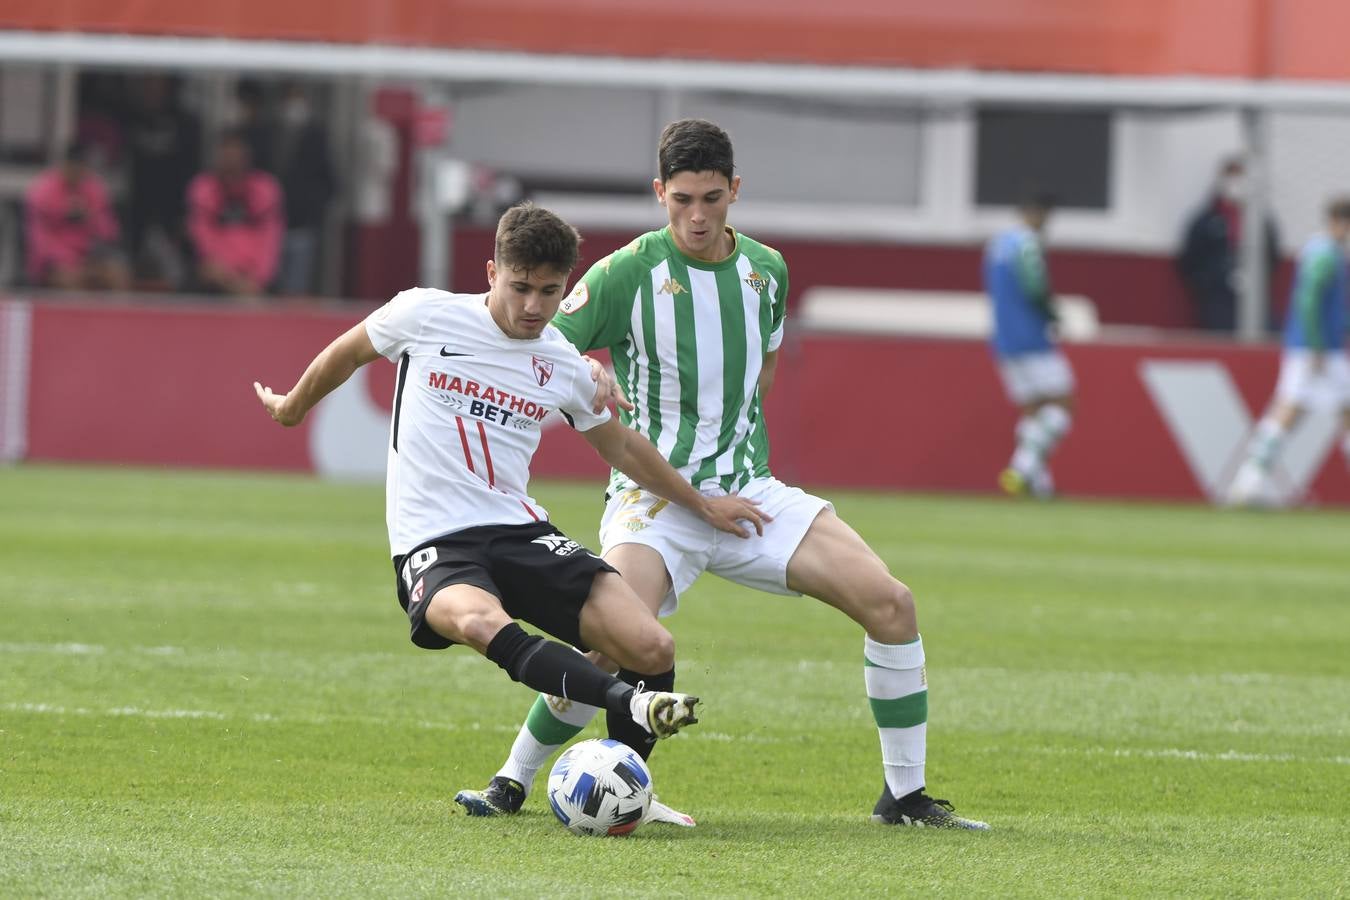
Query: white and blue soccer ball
point(600, 787)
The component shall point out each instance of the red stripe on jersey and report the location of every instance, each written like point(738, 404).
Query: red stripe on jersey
point(534, 515)
point(487, 454)
point(464, 441)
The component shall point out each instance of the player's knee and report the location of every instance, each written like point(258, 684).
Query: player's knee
point(653, 652)
point(1058, 415)
point(472, 628)
point(893, 615)
point(900, 602)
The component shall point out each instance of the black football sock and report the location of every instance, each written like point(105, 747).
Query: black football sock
point(553, 668)
point(620, 723)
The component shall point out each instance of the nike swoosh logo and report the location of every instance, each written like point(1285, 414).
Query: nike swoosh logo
point(445, 352)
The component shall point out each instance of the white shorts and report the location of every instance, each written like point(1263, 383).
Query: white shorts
point(1325, 390)
point(691, 546)
point(1036, 376)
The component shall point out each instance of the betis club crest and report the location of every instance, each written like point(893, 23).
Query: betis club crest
point(543, 370)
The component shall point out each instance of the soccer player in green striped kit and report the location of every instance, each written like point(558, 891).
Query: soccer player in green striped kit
point(692, 315)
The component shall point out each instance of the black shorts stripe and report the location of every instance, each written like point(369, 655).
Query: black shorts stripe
point(398, 395)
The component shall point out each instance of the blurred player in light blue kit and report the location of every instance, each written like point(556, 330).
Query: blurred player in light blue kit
point(1314, 371)
point(1035, 374)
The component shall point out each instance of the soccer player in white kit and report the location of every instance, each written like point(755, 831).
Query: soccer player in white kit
point(472, 550)
point(693, 317)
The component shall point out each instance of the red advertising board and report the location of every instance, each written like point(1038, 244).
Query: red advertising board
point(172, 385)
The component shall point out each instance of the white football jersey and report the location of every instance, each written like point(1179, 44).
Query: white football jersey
point(469, 403)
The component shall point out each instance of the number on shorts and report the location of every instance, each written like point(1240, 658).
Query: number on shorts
point(416, 563)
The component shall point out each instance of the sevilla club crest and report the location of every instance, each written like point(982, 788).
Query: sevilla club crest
point(543, 370)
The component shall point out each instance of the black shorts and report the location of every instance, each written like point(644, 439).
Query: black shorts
point(538, 573)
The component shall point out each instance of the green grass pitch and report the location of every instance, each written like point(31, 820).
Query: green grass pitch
point(206, 689)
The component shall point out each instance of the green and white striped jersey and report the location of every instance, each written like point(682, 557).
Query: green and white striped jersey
point(688, 339)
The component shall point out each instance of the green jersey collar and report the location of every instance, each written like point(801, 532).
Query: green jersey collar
point(727, 262)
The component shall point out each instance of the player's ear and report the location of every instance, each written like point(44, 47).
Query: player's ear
point(659, 188)
point(735, 188)
point(491, 272)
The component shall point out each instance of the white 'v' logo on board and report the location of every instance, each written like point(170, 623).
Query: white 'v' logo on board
point(1211, 424)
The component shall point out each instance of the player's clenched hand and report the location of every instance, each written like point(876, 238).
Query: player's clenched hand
point(726, 514)
point(606, 389)
point(275, 405)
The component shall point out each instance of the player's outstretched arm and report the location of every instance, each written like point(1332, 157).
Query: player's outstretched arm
point(634, 455)
point(334, 365)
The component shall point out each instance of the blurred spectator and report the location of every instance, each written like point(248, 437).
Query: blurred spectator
point(305, 170)
point(165, 149)
point(71, 228)
point(1210, 258)
point(99, 117)
point(235, 219)
point(376, 167)
point(251, 122)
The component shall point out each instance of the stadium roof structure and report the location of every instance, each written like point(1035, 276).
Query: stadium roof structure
point(1144, 53)
point(799, 80)
point(1224, 38)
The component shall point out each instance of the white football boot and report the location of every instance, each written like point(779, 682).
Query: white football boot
point(659, 812)
point(662, 713)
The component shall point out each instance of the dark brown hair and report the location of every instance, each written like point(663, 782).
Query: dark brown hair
point(694, 145)
point(531, 237)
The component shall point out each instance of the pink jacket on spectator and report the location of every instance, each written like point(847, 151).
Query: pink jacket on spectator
point(238, 228)
point(64, 222)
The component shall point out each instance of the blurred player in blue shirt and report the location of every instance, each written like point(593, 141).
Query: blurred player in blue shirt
point(1035, 374)
point(1314, 371)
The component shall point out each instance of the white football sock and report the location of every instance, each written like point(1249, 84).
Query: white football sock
point(1031, 437)
point(1056, 421)
point(552, 722)
point(1266, 442)
point(897, 689)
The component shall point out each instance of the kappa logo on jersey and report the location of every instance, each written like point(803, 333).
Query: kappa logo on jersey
point(756, 281)
point(559, 545)
point(543, 369)
point(576, 300)
point(672, 287)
